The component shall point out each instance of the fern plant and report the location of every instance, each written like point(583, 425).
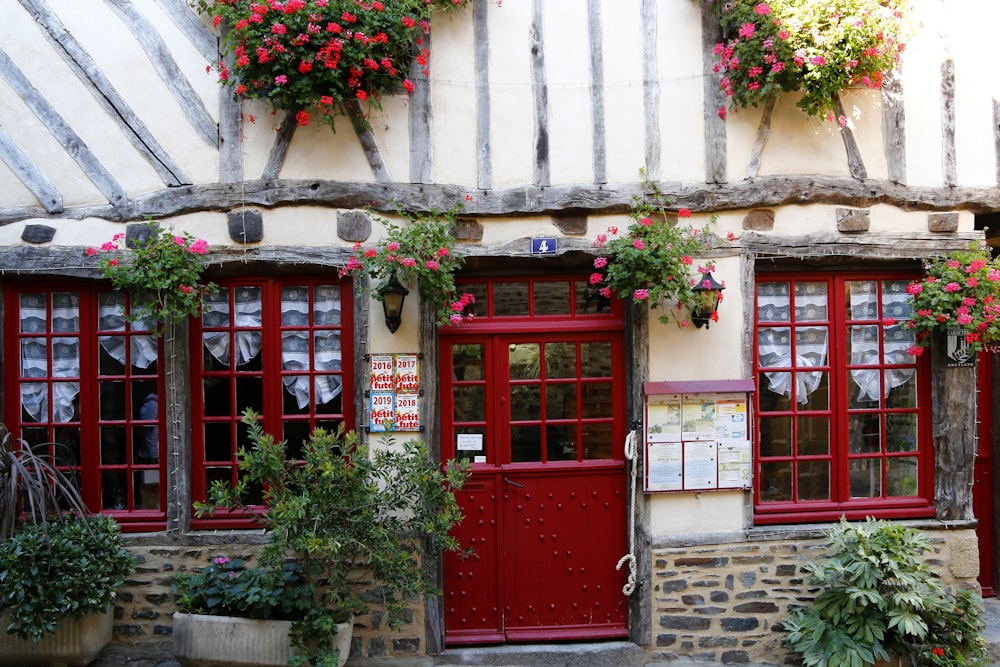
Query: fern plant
point(877, 599)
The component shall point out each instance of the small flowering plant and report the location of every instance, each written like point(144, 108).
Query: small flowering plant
point(958, 291)
point(311, 56)
point(653, 260)
point(421, 252)
point(817, 48)
point(162, 274)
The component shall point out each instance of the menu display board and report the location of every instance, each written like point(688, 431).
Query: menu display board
point(697, 436)
point(394, 393)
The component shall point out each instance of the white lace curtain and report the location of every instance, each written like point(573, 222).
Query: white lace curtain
point(295, 344)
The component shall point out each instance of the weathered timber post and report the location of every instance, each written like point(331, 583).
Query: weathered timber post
point(953, 399)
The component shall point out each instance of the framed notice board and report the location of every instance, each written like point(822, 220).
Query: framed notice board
point(697, 435)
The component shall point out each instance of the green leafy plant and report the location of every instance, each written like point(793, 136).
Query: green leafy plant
point(878, 599)
point(72, 567)
point(816, 48)
point(162, 274)
point(316, 56)
point(346, 516)
point(229, 587)
point(653, 260)
point(421, 251)
point(958, 291)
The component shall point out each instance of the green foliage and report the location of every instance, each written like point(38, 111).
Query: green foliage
point(958, 291)
point(162, 274)
point(422, 251)
point(653, 259)
point(314, 56)
point(228, 587)
point(879, 599)
point(816, 48)
point(69, 567)
point(345, 514)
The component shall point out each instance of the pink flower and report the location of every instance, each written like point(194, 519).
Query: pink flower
point(889, 322)
point(596, 278)
point(684, 213)
point(972, 282)
point(640, 294)
point(600, 262)
point(370, 252)
point(199, 247)
point(687, 260)
point(455, 318)
point(952, 287)
point(730, 236)
point(442, 252)
point(817, 60)
point(646, 222)
point(392, 246)
point(638, 244)
point(90, 252)
point(762, 9)
point(113, 262)
point(431, 264)
point(914, 288)
point(747, 30)
point(605, 292)
point(914, 350)
point(220, 560)
point(409, 262)
point(993, 275)
point(722, 112)
point(964, 318)
point(408, 85)
point(600, 240)
point(281, 79)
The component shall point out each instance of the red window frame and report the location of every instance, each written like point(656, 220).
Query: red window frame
point(841, 410)
point(260, 383)
point(107, 430)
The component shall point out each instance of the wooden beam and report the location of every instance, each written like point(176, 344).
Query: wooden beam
point(598, 131)
point(484, 138)
point(29, 174)
point(996, 149)
point(953, 426)
point(540, 96)
point(420, 124)
point(279, 149)
point(230, 131)
point(949, 169)
point(517, 201)
point(199, 34)
point(100, 87)
point(894, 128)
point(715, 125)
point(74, 144)
point(763, 133)
point(901, 245)
point(367, 139)
point(854, 160)
point(171, 74)
point(650, 89)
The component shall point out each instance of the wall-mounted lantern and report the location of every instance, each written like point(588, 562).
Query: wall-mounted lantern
point(708, 293)
point(393, 295)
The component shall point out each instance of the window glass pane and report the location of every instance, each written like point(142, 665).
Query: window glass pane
point(467, 362)
point(525, 402)
point(864, 433)
point(112, 400)
point(334, 406)
point(775, 392)
point(111, 311)
point(215, 350)
point(297, 397)
point(597, 400)
point(223, 474)
point(147, 489)
point(864, 389)
point(215, 309)
point(866, 478)
point(597, 441)
point(902, 386)
point(773, 302)
point(776, 436)
point(114, 490)
point(901, 432)
point(589, 300)
point(217, 395)
point(295, 433)
point(294, 306)
point(810, 302)
point(144, 353)
point(113, 447)
point(897, 338)
point(249, 393)
point(34, 358)
point(34, 403)
point(32, 311)
point(595, 359)
point(524, 361)
point(560, 360)
point(774, 347)
point(217, 441)
point(510, 299)
point(65, 312)
point(814, 388)
point(326, 349)
point(776, 481)
point(469, 403)
point(479, 307)
point(561, 442)
point(66, 357)
point(525, 444)
point(326, 305)
point(813, 436)
point(862, 300)
point(896, 302)
point(111, 355)
point(863, 348)
point(551, 298)
point(901, 477)
point(68, 451)
point(814, 480)
point(810, 346)
point(560, 401)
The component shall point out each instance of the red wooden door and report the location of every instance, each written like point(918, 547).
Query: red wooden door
point(540, 415)
point(982, 488)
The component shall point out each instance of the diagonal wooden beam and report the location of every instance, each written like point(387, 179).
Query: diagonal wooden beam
point(367, 139)
point(854, 160)
point(198, 33)
point(74, 144)
point(279, 149)
point(28, 173)
point(170, 73)
point(100, 87)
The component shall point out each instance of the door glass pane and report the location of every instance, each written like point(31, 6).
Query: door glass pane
point(776, 391)
point(113, 449)
point(551, 298)
point(510, 299)
point(901, 477)
point(525, 402)
point(598, 441)
point(294, 306)
point(902, 386)
point(467, 362)
point(773, 302)
point(217, 396)
point(524, 361)
point(114, 491)
point(774, 347)
point(895, 301)
point(215, 309)
point(561, 443)
point(469, 403)
point(65, 312)
point(596, 400)
point(866, 478)
point(814, 480)
point(813, 390)
point(326, 305)
point(864, 433)
point(862, 301)
point(776, 436)
point(901, 432)
point(217, 441)
point(525, 444)
point(813, 436)
point(595, 359)
point(32, 309)
point(474, 446)
point(560, 360)
point(810, 302)
point(560, 401)
point(112, 400)
point(249, 394)
point(776, 481)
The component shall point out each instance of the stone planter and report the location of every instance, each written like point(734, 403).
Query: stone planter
point(229, 641)
point(76, 642)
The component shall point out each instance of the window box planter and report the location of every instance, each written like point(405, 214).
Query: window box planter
point(229, 641)
point(76, 642)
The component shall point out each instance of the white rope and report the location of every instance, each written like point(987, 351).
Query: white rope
point(630, 456)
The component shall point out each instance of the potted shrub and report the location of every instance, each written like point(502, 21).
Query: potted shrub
point(62, 567)
point(878, 601)
point(341, 515)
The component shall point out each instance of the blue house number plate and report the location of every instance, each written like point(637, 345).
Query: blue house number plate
point(543, 245)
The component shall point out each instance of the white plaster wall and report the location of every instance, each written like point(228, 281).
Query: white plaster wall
point(453, 99)
point(681, 113)
point(512, 111)
point(922, 91)
point(623, 111)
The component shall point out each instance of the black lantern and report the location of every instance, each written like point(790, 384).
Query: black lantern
point(393, 294)
point(708, 294)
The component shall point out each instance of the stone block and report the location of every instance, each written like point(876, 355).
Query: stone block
point(759, 220)
point(138, 234)
point(467, 229)
point(942, 222)
point(853, 220)
point(37, 233)
point(740, 624)
point(571, 224)
point(246, 226)
point(684, 623)
point(964, 562)
point(353, 226)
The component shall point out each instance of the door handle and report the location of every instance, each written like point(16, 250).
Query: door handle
point(507, 480)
